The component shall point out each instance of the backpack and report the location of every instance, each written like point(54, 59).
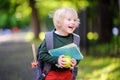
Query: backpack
point(38, 72)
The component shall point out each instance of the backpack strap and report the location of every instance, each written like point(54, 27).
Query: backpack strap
point(49, 40)
point(76, 39)
point(49, 45)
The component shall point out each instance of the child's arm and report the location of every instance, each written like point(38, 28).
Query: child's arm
point(45, 56)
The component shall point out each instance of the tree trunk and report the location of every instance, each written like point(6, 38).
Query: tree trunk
point(119, 16)
point(105, 21)
point(34, 19)
point(82, 30)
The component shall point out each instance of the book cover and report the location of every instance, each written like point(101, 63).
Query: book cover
point(69, 50)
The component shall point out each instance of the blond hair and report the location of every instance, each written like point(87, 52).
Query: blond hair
point(61, 13)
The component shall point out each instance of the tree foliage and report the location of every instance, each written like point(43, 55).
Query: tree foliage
point(17, 12)
point(14, 13)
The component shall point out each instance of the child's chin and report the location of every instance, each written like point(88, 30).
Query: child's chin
point(71, 31)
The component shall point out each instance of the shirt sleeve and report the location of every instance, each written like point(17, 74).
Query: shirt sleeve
point(45, 56)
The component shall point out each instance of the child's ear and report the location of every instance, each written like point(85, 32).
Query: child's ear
point(58, 23)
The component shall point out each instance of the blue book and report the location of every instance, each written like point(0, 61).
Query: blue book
point(68, 50)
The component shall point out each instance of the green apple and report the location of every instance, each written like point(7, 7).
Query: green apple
point(68, 61)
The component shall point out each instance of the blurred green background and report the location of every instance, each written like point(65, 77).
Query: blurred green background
point(23, 22)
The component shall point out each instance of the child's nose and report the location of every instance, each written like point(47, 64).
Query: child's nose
point(72, 21)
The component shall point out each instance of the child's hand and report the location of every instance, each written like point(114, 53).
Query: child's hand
point(61, 61)
point(73, 63)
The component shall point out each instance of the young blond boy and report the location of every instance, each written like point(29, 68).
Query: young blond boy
point(65, 21)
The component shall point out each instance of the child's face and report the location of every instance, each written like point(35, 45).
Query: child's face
point(68, 25)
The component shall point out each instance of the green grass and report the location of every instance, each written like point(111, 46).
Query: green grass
point(102, 68)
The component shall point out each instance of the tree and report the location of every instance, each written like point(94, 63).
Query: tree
point(34, 19)
point(119, 15)
point(105, 20)
point(7, 10)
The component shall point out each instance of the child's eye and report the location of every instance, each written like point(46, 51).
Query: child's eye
point(72, 19)
point(75, 20)
point(68, 19)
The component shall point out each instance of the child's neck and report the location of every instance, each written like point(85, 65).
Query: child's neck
point(61, 33)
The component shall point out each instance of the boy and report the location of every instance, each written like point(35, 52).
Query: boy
point(65, 21)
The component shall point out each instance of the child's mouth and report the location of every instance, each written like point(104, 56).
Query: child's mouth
point(70, 27)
